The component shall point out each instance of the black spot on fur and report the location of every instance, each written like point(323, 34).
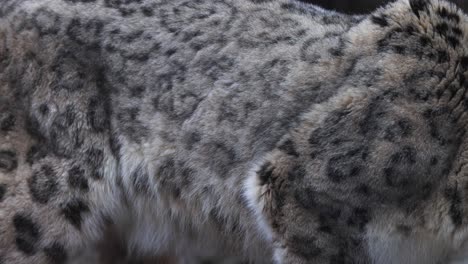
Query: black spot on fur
point(170, 175)
point(140, 56)
point(3, 191)
point(464, 62)
point(287, 6)
point(328, 217)
point(167, 169)
point(373, 114)
point(442, 28)
point(44, 109)
point(418, 5)
point(7, 122)
point(126, 11)
point(308, 52)
point(359, 217)
point(444, 13)
point(46, 21)
point(99, 112)
point(115, 146)
point(392, 42)
point(364, 190)
point(462, 80)
point(73, 211)
point(380, 20)
point(296, 8)
point(296, 173)
point(65, 138)
point(337, 116)
point(190, 35)
point(305, 247)
point(140, 180)
point(55, 253)
point(325, 228)
point(137, 91)
point(43, 184)
point(457, 31)
point(81, 1)
point(335, 174)
point(27, 234)
point(130, 124)
point(120, 3)
point(338, 50)
point(418, 92)
point(186, 174)
point(435, 130)
point(424, 41)
point(347, 165)
point(170, 52)
point(453, 41)
point(76, 179)
point(400, 171)
point(306, 199)
point(191, 138)
point(65, 119)
point(219, 157)
point(406, 155)
point(330, 20)
point(131, 37)
point(288, 148)
point(8, 160)
point(260, 1)
point(35, 153)
point(399, 49)
point(410, 29)
point(95, 157)
point(456, 209)
point(218, 219)
point(454, 17)
point(147, 11)
point(265, 173)
point(32, 125)
point(401, 129)
point(442, 56)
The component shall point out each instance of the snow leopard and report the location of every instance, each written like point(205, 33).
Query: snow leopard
point(272, 131)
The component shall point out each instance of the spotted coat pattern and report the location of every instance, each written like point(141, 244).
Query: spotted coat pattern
point(268, 130)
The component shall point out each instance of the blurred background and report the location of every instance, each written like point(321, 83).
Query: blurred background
point(364, 6)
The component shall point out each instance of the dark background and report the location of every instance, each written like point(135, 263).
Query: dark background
point(364, 6)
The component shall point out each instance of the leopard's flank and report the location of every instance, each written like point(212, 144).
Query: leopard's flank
point(267, 130)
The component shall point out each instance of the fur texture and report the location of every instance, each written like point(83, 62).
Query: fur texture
point(268, 130)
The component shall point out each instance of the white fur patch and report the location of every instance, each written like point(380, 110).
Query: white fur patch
point(278, 255)
point(251, 191)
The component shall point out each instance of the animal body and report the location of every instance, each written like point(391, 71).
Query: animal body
point(267, 130)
